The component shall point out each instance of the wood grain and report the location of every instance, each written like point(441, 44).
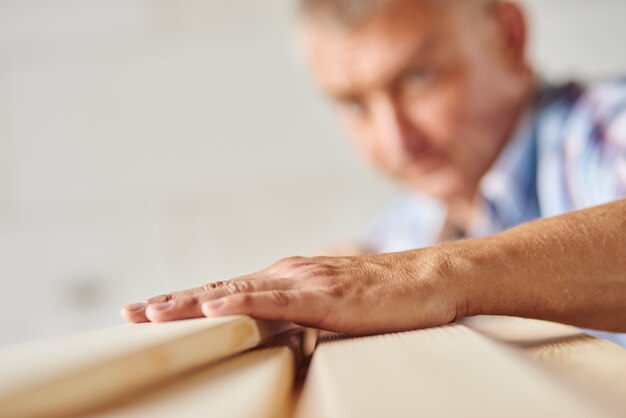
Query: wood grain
point(520, 332)
point(73, 375)
point(449, 371)
point(255, 384)
point(593, 366)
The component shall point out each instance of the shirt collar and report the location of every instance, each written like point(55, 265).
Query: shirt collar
point(508, 188)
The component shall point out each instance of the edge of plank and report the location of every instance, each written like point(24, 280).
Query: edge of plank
point(446, 371)
point(169, 349)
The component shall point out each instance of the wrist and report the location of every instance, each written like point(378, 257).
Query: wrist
point(471, 271)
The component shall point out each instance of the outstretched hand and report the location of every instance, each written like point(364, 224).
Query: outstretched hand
point(357, 295)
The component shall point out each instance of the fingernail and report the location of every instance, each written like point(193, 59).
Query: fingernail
point(213, 305)
point(134, 307)
point(162, 306)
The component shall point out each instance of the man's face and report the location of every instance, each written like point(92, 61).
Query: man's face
point(427, 92)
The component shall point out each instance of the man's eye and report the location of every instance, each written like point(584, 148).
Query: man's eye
point(353, 106)
point(418, 76)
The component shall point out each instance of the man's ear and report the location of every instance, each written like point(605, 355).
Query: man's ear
point(510, 21)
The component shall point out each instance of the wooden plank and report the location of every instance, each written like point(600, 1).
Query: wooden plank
point(594, 366)
point(76, 374)
point(521, 332)
point(254, 384)
point(449, 371)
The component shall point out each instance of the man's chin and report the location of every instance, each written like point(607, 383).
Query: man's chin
point(441, 187)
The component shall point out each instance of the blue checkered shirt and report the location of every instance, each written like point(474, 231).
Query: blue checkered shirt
point(569, 153)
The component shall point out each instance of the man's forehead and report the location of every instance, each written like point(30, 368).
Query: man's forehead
point(342, 13)
point(375, 49)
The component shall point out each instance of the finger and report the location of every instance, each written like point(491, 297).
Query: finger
point(174, 309)
point(136, 312)
point(183, 294)
point(304, 308)
point(190, 307)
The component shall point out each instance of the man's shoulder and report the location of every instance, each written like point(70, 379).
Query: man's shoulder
point(578, 115)
point(577, 101)
point(581, 143)
point(606, 93)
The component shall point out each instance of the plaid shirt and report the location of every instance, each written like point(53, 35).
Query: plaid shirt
point(569, 153)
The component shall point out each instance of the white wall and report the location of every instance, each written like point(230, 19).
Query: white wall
point(156, 144)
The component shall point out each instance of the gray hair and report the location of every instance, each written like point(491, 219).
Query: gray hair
point(338, 12)
point(344, 13)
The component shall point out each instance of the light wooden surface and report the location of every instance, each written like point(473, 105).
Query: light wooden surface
point(76, 374)
point(481, 367)
point(256, 384)
point(520, 332)
point(450, 371)
point(596, 368)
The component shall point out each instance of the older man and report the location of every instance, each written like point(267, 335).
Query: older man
point(439, 95)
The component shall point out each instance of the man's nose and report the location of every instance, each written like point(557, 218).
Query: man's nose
point(396, 130)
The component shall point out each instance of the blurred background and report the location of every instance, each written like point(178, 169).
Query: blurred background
point(149, 145)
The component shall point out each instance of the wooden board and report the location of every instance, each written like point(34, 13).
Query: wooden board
point(256, 384)
point(521, 332)
point(76, 374)
point(595, 366)
point(449, 371)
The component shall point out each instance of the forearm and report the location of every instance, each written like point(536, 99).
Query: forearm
point(569, 269)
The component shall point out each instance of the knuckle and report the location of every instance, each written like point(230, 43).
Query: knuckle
point(280, 298)
point(286, 265)
point(238, 286)
point(161, 298)
point(212, 286)
point(294, 261)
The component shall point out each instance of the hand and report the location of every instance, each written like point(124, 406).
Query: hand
point(357, 295)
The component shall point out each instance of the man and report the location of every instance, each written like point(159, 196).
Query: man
point(439, 95)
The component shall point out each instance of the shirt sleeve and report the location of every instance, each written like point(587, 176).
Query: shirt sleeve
point(616, 136)
point(595, 147)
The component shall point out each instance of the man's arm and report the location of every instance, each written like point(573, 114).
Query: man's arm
point(570, 269)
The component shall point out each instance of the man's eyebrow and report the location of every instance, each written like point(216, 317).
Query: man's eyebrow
point(344, 97)
point(418, 55)
point(423, 50)
point(343, 94)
